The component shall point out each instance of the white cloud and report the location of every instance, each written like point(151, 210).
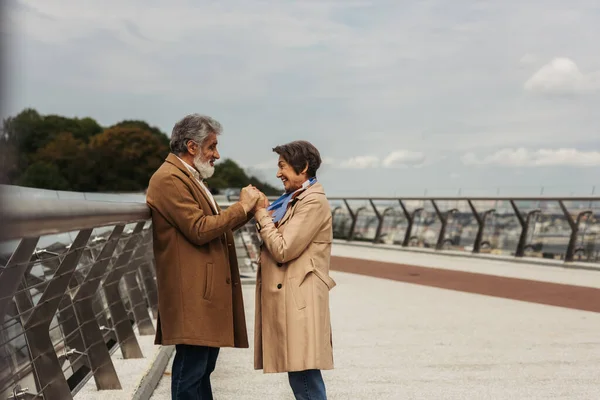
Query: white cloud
point(403, 158)
point(360, 162)
point(454, 175)
point(528, 59)
point(521, 157)
point(562, 76)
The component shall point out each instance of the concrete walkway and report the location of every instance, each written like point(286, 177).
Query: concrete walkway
point(397, 340)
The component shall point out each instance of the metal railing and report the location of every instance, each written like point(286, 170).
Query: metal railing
point(566, 228)
point(77, 278)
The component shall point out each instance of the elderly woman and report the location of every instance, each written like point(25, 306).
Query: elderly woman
point(292, 324)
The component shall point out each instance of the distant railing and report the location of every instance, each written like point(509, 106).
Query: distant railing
point(563, 228)
point(566, 228)
point(76, 278)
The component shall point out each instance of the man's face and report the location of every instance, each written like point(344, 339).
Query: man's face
point(205, 155)
point(291, 180)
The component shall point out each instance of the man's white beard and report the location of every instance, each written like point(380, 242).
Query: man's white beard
point(203, 167)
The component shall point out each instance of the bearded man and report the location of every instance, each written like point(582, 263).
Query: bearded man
point(199, 290)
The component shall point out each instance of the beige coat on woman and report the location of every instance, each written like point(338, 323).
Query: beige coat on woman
point(292, 322)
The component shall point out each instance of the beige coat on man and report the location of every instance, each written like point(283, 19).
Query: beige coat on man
point(199, 289)
point(292, 322)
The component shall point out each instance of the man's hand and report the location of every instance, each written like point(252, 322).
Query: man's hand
point(262, 202)
point(248, 197)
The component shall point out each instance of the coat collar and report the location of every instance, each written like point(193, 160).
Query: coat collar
point(317, 188)
point(173, 159)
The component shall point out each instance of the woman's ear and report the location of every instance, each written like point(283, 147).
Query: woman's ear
point(305, 170)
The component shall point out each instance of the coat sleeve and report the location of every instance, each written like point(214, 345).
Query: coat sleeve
point(175, 202)
point(249, 216)
point(300, 230)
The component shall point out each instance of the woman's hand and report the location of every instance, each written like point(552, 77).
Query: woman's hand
point(262, 202)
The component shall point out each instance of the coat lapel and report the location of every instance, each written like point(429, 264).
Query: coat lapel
point(316, 188)
point(173, 159)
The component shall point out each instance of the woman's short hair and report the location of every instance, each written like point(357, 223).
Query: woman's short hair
point(300, 154)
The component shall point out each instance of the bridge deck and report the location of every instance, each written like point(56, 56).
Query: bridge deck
point(395, 339)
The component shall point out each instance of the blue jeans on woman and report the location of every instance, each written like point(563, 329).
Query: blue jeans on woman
point(308, 385)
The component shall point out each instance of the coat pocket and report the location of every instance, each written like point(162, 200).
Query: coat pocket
point(208, 281)
point(294, 286)
point(326, 279)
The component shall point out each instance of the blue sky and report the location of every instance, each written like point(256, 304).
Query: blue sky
point(398, 96)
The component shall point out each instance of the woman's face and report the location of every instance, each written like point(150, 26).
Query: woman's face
point(291, 180)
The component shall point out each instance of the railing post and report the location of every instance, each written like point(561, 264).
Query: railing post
point(45, 360)
point(410, 218)
point(120, 319)
point(481, 219)
point(138, 302)
point(13, 272)
point(379, 221)
point(574, 225)
point(444, 222)
point(524, 222)
point(103, 369)
point(150, 285)
point(353, 217)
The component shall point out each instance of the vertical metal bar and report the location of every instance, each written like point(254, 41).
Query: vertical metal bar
point(520, 251)
point(443, 219)
point(410, 218)
point(354, 221)
point(121, 323)
point(136, 298)
point(444, 223)
point(481, 220)
point(379, 221)
point(353, 216)
point(524, 222)
point(570, 254)
point(150, 285)
point(45, 361)
point(13, 272)
point(103, 369)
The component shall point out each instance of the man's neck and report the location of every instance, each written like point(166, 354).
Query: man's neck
point(188, 159)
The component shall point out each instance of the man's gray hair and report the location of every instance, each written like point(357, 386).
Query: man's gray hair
point(194, 127)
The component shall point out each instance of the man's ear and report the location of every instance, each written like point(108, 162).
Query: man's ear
point(192, 147)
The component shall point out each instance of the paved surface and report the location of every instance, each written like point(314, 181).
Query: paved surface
point(130, 372)
point(399, 340)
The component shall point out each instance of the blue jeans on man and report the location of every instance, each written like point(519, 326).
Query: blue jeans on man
point(308, 385)
point(190, 377)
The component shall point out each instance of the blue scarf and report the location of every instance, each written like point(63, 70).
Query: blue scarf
point(279, 207)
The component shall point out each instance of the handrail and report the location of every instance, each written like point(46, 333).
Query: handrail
point(22, 218)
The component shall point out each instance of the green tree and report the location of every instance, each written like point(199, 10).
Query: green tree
point(125, 158)
point(70, 156)
point(143, 126)
point(44, 176)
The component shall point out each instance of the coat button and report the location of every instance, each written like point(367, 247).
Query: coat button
point(279, 286)
point(228, 281)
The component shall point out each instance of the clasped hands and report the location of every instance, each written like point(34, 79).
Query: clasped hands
point(253, 199)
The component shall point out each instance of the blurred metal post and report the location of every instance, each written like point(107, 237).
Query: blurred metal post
point(103, 369)
point(13, 272)
point(47, 368)
point(481, 219)
point(410, 217)
point(121, 322)
point(443, 217)
point(136, 297)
